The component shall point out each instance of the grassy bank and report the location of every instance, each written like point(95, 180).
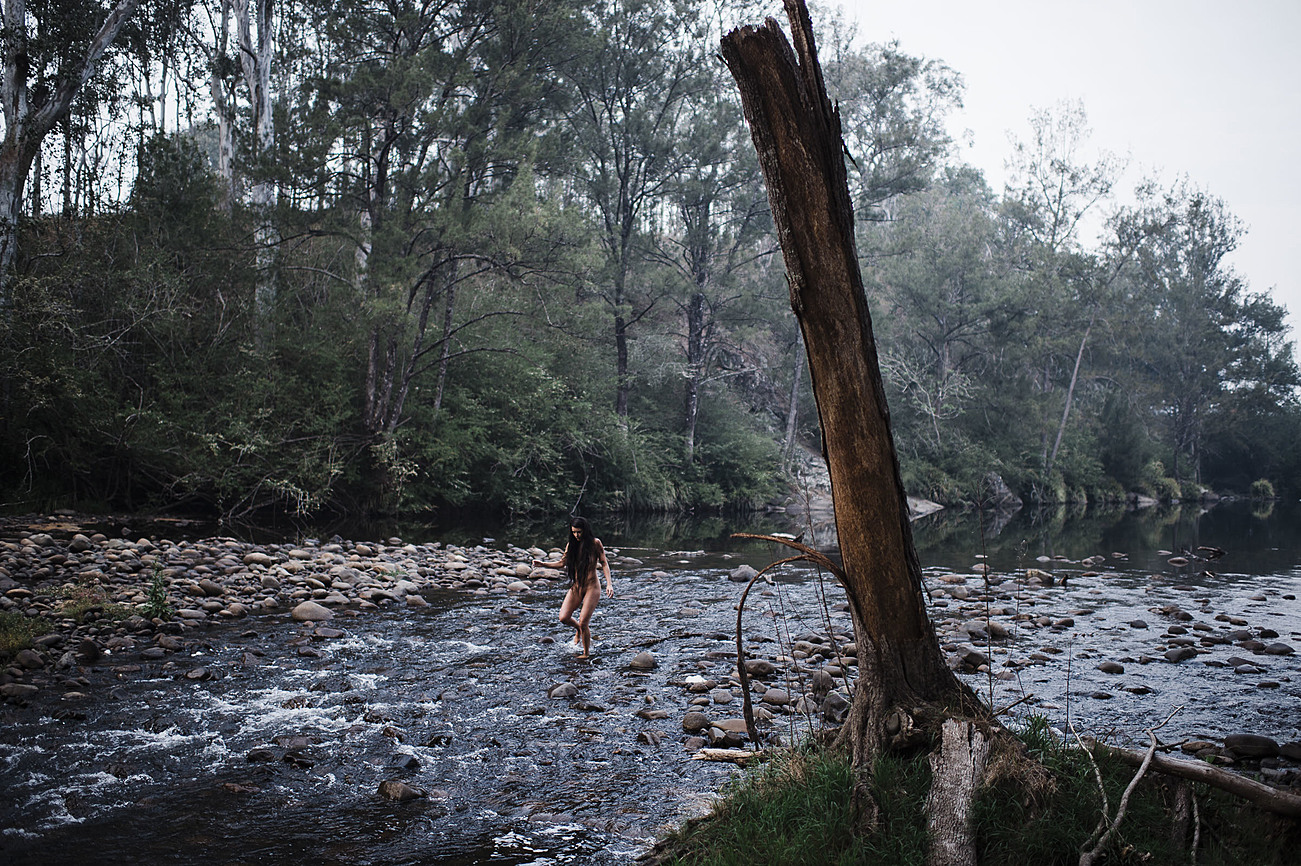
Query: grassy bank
point(797, 810)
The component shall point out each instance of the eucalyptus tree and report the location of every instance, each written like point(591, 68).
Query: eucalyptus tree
point(50, 53)
point(943, 293)
point(424, 122)
point(715, 228)
point(1209, 344)
point(633, 81)
point(1053, 189)
point(894, 107)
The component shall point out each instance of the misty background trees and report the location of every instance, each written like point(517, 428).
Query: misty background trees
point(385, 256)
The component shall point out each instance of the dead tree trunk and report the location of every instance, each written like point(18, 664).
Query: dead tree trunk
point(904, 685)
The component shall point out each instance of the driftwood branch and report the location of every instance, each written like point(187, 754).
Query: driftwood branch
point(1264, 796)
point(741, 757)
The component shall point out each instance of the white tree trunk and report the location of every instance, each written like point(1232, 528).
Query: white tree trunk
point(27, 122)
point(224, 110)
point(255, 61)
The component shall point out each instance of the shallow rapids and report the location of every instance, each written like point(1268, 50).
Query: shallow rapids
point(265, 740)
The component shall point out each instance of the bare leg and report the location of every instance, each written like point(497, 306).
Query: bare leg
point(592, 596)
point(567, 612)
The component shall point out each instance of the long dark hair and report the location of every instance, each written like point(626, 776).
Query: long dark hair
point(580, 552)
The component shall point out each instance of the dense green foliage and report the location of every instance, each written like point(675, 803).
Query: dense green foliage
point(518, 258)
point(798, 810)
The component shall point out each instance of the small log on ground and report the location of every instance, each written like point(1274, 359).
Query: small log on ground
point(1270, 799)
point(743, 757)
point(957, 769)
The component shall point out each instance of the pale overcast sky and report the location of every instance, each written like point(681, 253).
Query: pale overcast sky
point(1206, 89)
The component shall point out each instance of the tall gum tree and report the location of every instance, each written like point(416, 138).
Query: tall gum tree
point(905, 688)
point(34, 98)
point(632, 95)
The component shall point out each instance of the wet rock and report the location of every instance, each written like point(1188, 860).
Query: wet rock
point(694, 723)
point(1111, 668)
point(822, 682)
point(835, 707)
point(260, 756)
point(643, 661)
point(1250, 746)
point(310, 611)
point(1179, 654)
point(29, 659)
point(694, 744)
point(562, 690)
point(211, 588)
point(1137, 623)
point(1194, 747)
point(742, 574)
point(1278, 649)
point(721, 696)
point(759, 667)
point(776, 697)
point(1291, 751)
point(721, 739)
point(405, 762)
point(18, 691)
point(650, 738)
point(392, 789)
point(699, 685)
point(89, 650)
point(652, 714)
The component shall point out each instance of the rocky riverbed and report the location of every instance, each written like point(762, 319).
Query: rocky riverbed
point(428, 688)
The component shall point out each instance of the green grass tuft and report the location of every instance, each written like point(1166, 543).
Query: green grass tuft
point(16, 633)
point(1039, 807)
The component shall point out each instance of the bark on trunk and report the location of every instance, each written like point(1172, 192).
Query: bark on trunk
point(225, 114)
point(797, 134)
point(256, 65)
point(1070, 395)
point(793, 413)
point(695, 368)
point(956, 772)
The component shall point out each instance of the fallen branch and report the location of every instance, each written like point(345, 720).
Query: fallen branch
point(742, 757)
point(1100, 839)
point(1270, 799)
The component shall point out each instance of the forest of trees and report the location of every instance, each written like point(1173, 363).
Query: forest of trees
point(395, 257)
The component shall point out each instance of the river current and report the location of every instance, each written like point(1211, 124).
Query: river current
point(275, 754)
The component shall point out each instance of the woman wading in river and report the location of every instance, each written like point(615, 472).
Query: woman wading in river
point(583, 555)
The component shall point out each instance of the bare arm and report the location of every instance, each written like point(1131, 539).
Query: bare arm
point(604, 562)
point(558, 566)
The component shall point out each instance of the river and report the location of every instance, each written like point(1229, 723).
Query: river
point(276, 755)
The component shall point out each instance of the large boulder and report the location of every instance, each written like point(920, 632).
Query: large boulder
point(310, 611)
point(999, 495)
